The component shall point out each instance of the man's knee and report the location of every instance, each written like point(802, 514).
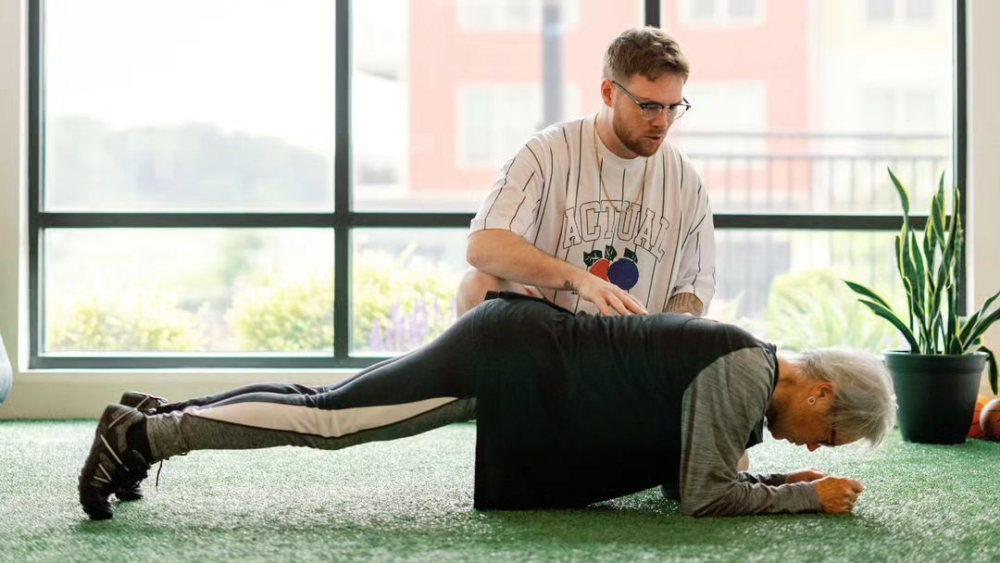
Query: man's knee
point(473, 287)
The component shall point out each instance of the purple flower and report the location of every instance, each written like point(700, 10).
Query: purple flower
point(375, 341)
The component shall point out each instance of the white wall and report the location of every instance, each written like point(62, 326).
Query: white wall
point(82, 394)
point(984, 157)
point(11, 171)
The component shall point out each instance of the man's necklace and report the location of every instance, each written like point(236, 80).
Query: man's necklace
point(600, 176)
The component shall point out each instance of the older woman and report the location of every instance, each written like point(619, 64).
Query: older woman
point(571, 409)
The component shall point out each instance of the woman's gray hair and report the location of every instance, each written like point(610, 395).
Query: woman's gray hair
point(864, 406)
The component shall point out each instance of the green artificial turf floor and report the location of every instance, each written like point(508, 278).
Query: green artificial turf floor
point(411, 500)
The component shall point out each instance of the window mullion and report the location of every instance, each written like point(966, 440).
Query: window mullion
point(35, 169)
point(342, 185)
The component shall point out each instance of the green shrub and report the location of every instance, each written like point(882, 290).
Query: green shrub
point(813, 309)
point(285, 316)
point(136, 321)
point(398, 303)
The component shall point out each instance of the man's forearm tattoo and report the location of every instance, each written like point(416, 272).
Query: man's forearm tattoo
point(568, 286)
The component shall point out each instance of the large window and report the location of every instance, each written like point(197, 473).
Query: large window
point(794, 124)
point(278, 183)
point(262, 183)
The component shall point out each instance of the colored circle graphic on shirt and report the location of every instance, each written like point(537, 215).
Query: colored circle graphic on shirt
point(600, 268)
point(624, 273)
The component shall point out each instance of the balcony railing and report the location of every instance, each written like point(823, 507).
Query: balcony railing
point(815, 173)
point(798, 173)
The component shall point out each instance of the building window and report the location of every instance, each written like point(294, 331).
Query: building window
point(901, 11)
point(494, 120)
point(513, 15)
point(732, 108)
point(722, 13)
point(881, 10)
point(920, 10)
point(909, 110)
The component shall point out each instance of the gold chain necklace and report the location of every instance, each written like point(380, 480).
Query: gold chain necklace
point(600, 176)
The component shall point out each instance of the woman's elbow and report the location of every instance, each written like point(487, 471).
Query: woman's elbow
point(706, 508)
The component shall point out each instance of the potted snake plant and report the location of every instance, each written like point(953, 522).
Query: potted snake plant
point(937, 379)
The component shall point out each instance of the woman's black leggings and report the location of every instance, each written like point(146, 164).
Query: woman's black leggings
point(430, 387)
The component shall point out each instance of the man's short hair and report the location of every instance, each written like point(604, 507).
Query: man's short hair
point(648, 51)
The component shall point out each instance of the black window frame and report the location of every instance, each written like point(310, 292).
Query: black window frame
point(343, 219)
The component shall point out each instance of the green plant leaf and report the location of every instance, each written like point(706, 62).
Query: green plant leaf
point(992, 359)
point(913, 279)
point(953, 345)
point(935, 221)
point(938, 216)
point(930, 248)
point(934, 310)
point(955, 206)
point(933, 240)
point(982, 326)
point(953, 297)
point(888, 315)
point(954, 243)
point(988, 302)
point(966, 329)
point(947, 275)
point(907, 287)
point(862, 290)
point(936, 284)
point(904, 196)
point(920, 289)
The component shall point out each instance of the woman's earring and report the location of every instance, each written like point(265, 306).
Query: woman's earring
point(811, 401)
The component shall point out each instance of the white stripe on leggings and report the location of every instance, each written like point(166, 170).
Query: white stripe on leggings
point(320, 422)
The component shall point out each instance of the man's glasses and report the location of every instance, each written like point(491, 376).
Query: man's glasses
point(650, 110)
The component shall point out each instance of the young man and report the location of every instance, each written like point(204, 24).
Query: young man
point(600, 214)
point(571, 410)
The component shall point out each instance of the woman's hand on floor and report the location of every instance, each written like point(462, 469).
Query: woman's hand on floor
point(804, 475)
point(837, 495)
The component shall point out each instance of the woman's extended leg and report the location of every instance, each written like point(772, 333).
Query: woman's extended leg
point(280, 388)
point(428, 388)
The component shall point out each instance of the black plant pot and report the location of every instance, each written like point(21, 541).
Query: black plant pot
point(936, 394)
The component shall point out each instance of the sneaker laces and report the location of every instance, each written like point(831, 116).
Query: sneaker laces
point(160, 469)
point(156, 402)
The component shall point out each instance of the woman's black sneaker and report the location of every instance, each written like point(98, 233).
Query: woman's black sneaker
point(146, 404)
point(111, 465)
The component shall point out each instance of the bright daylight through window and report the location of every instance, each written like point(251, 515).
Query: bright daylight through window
point(186, 205)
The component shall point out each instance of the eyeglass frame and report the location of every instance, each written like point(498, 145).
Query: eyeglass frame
point(646, 106)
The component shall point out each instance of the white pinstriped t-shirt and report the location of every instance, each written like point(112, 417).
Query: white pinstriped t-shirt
point(654, 247)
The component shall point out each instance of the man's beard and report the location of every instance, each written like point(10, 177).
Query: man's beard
point(635, 144)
